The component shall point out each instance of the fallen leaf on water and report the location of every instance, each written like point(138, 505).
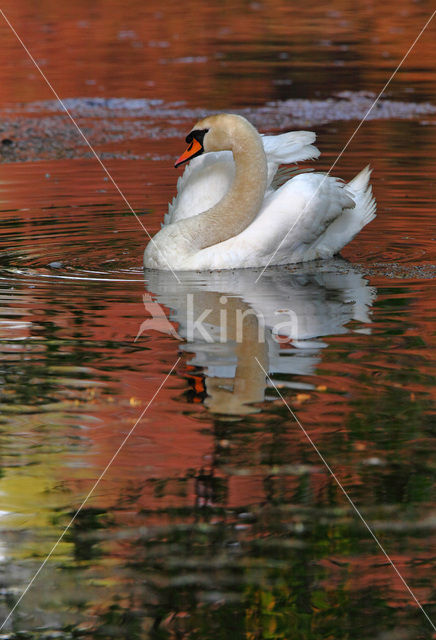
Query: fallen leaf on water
point(302, 397)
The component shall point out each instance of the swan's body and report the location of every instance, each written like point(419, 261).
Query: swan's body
point(227, 214)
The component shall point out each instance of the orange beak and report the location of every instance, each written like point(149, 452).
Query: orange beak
point(194, 149)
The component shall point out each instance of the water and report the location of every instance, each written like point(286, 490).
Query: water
point(217, 519)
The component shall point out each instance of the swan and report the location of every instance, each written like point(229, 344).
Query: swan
point(229, 215)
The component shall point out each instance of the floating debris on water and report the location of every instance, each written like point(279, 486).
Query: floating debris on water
point(42, 130)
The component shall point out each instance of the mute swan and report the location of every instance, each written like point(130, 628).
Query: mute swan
point(227, 215)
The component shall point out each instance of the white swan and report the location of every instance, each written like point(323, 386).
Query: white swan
point(228, 215)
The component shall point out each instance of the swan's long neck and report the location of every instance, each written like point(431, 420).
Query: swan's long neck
point(238, 208)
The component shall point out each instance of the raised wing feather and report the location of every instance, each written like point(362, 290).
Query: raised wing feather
point(290, 147)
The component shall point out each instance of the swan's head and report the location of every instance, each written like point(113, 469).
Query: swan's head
point(221, 132)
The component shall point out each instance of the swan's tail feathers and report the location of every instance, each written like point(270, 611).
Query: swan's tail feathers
point(348, 224)
point(291, 147)
point(363, 196)
point(361, 181)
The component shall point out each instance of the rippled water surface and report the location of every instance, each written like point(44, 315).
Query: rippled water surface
point(217, 518)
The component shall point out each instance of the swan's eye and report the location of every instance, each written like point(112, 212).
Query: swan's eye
point(197, 134)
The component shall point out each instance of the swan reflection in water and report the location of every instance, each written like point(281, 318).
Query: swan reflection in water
point(229, 324)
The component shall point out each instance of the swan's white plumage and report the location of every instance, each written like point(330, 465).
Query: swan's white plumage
point(208, 177)
point(310, 216)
